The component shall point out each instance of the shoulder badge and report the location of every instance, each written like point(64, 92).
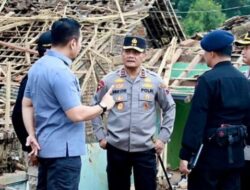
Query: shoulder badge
point(162, 85)
point(147, 80)
point(122, 73)
point(101, 84)
point(119, 80)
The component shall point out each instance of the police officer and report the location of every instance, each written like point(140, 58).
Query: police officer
point(245, 43)
point(132, 121)
point(220, 103)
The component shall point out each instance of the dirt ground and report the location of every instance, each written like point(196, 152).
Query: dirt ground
point(175, 180)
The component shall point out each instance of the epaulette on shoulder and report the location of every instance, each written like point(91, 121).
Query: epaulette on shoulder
point(152, 73)
point(110, 74)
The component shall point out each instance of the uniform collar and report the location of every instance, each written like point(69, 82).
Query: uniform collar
point(223, 63)
point(247, 74)
point(123, 73)
point(59, 55)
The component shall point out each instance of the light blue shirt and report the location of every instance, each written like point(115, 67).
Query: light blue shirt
point(54, 89)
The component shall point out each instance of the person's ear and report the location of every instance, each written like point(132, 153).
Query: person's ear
point(73, 43)
point(212, 54)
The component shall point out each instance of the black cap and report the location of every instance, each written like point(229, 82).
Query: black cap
point(43, 42)
point(134, 42)
point(44, 38)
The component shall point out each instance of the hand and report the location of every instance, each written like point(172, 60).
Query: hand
point(108, 100)
point(32, 141)
point(33, 160)
point(159, 146)
point(184, 167)
point(103, 144)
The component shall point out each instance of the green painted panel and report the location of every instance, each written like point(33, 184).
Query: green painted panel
point(182, 110)
point(198, 70)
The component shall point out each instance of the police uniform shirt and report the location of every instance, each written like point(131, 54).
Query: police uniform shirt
point(247, 148)
point(221, 97)
point(132, 121)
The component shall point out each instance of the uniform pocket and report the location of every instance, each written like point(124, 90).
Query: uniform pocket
point(121, 102)
point(146, 102)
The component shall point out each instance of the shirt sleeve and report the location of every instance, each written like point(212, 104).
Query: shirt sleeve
point(27, 92)
point(97, 122)
point(167, 106)
point(66, 89)
point(196, 122)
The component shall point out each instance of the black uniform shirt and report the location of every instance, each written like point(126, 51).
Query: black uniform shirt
point(222, 96)
point(17, 117)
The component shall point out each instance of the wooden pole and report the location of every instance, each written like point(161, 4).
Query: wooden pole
point(120, 12)
point(7, 101)
point(192, 65)
point(13, 46)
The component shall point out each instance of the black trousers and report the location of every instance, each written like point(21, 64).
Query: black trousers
point(59, 173)
point(121, 163)
point(202, 179)
point(245, 177)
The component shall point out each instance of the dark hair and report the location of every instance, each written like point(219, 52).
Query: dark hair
point(43, 43)
point(227, 51)
point(64, 30)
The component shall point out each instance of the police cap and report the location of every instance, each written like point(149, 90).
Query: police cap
point(244, 40)
point(134, 42)
point(218, 41)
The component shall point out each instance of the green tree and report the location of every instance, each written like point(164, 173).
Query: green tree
point(228, 4)
point(245, 8)
point(203, 15)
point(230, 7)
point(183, 6)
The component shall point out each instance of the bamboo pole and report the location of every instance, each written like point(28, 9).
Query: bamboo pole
point(7, 101)
point(120, 12)
point(167, 63)
point(102, 56)
point(168, 55)
point(76, 65)
point(192, 65)
point(92, 63)
point(155, 57)
point(2, 5)
point(22, 49)
point(12, 25)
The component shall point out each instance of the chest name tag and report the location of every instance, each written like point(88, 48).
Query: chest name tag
point(147, 90)
point(119, 91)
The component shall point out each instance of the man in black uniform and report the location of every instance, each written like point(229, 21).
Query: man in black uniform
point(220, 104)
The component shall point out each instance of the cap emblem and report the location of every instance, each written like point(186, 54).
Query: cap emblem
point(134, 42)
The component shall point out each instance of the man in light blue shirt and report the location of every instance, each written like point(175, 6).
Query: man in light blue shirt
point(53, 113)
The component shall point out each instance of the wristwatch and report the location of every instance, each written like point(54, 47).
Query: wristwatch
point(104, 107)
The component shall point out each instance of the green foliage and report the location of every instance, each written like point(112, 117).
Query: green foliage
point(183, 6)
point(202, 20)
point(228, 5)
